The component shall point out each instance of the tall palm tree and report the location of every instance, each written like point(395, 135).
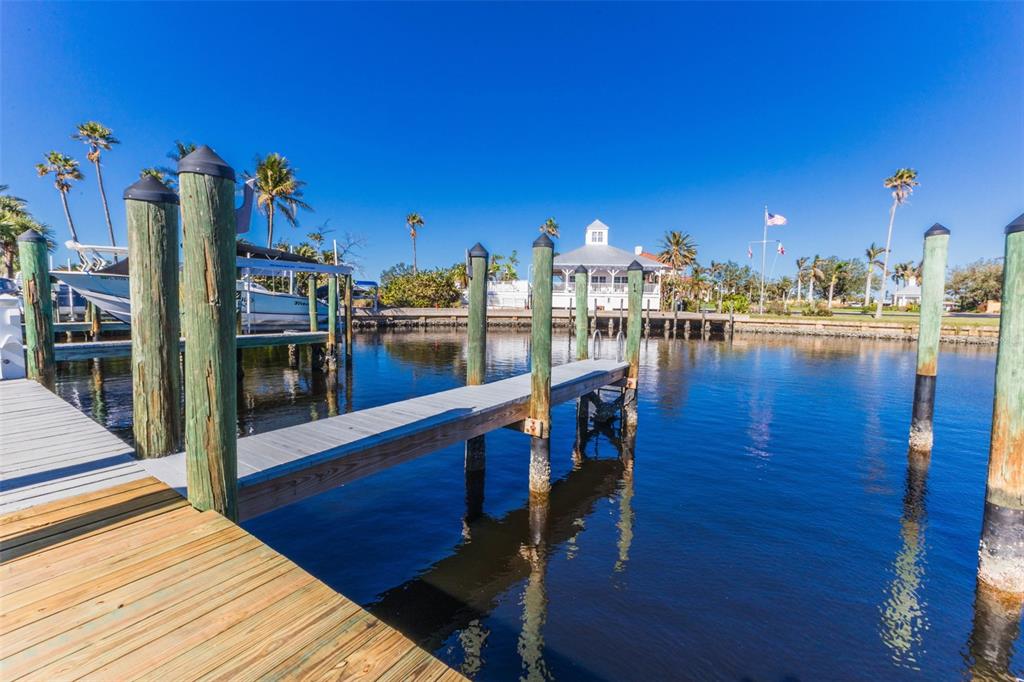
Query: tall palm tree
point(14, 220)
point(716, 271)
point(180, 151)
point(414, 221)
point(277, 189)
point(801, 268)
point(678, 251)
point(902, 184)
point(64, 169)
point(815, 273)
point(837, 272)
point(550, 228)
point(98, 138)
point(871, 254)
point(903, 272)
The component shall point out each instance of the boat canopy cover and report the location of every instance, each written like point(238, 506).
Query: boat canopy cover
point(259, 260)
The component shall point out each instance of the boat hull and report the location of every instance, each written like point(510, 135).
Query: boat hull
point(261, 310)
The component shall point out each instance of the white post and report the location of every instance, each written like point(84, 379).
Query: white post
point(764, 245)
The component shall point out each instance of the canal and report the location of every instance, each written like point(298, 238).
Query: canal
point(771, 528)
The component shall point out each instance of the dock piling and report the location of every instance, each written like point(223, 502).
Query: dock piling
point(476, 372)
point(152, 219)
point(348, 320)
point(580, 280)
point(539, 421)
point(635, 284)
point(35, 273)
point(1001, 554)
point(332, 322)
point(207, 186)
point(933, 290)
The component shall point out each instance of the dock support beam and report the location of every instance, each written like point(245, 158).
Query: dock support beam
point(332, 322)
point(1001, 555)
point(635, 285)
point(933, 290)
point(539, 422)
point(580, 279)
point(35, 273)
point(476, 373)
point(152, 218)
point(211, 409)
point(348, 320)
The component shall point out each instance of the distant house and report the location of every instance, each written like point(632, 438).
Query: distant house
point(910, 294)
point(606, 267)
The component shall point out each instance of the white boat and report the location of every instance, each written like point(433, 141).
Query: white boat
point(261, 309)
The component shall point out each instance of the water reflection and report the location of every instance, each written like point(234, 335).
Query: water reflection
point(466, 585)
point(904, 618)
point(995, 628)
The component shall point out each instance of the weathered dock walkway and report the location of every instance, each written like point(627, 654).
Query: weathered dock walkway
point(287, 465)
point(106, 573)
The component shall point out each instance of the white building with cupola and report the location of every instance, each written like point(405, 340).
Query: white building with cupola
point(606, 268)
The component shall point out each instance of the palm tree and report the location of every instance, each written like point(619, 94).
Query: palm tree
point(157, 173)
point(678, 251)
point(801, 268)
point(98, 137)
point(550, 228)
point(180, 151)
point(414, 221)
point(815, 273)
point(902, 184)
point(903, 272)
point(14, 220)
point(838, 271)
point(716, 272)
point(64, 169)
point(277, 189)
point(871, 253)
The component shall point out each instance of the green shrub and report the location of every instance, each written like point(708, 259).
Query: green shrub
point(426, 289)
point(737, 303)
point(776, 308)
point(819, 309)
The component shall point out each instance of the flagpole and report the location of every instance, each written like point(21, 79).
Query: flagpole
point(764, 246)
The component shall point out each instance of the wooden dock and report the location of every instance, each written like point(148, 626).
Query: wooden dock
point(287, 465)
point(109, 574)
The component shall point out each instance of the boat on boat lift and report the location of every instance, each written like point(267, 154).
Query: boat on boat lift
point(106, 284)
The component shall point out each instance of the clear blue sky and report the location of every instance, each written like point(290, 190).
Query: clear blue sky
point(489, 118)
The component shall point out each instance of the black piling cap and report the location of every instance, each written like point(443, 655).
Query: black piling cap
point(936, 229)
point(478, 251)
point(31, 235)
point(634, 266)
point(544, 240)
point(580, 270)
point(1016, 226)
point(205, 161)
point(151, 190)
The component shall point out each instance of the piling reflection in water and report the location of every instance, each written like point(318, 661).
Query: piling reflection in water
point(995, 628)
point(456, 592)
point(904, 619)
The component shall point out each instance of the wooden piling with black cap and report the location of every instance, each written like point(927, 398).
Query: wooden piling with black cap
point(538, 424)
point(933, 291)
point(152, 219)
point(207, 195)
point(38, 307)
point(1001, 555)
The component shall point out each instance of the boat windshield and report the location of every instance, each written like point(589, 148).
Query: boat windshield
point(8, 286)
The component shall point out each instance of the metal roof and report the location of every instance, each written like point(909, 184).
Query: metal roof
point(603, 255)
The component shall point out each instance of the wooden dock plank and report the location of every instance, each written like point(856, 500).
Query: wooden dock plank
point(169, 592)
point(43, 461)
point(123, 348)
point(290, 464)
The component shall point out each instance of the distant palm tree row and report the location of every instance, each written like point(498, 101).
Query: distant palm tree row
point(275, 183)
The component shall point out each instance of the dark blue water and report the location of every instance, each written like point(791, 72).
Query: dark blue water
point(770, 528)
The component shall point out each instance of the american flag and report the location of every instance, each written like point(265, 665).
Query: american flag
point(774, 219)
